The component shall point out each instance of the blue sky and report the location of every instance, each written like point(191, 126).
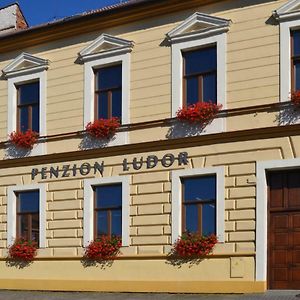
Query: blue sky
point(42, 11)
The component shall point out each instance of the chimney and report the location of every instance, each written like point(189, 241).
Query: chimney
point(11, 19)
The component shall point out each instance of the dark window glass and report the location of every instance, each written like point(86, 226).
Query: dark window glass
point(28, 215)
point(295, 41)
point(199, 204)
point(28, 106)
point(200, 75)
point(108, 210)
point(108, 92)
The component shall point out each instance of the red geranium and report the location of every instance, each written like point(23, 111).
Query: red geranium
point(201, 112)
point(22, 250)
point(24, 139)
point(103, 128)
point(104, 248)
point(295, 98)
point(191, 245)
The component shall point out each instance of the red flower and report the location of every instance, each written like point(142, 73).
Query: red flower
point(24, 139)
point(22, 250)
point(295, 98)
point(201, 112)
point(191, 245)
point(104, 248)
point(103, 128)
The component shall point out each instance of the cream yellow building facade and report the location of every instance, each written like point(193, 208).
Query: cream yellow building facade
point(255, 134)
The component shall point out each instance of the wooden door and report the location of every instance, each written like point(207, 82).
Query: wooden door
point(284, 230)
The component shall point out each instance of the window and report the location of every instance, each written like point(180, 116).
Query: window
point(107, 81)
point(199, 64)
point(108, 210)
point(108, 92)
point(26, 213)
point(28, 221)
point(27, 86)
point(200, 76)
point(199, 204)
point(295, 60)
point(28, 106)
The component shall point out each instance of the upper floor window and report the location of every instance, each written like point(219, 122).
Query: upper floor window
point(27, 89)
point(199, 204)
point(28, 106)
point(108, 92)
point(108, 210)
point(28, 221)
point(200, 76)
point(295, 60)
point(199, 64)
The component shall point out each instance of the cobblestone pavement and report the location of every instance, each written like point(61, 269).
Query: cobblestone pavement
point(25, 295)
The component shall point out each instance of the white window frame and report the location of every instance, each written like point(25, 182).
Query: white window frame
point(262, 210)
point(177, 201)
point(177, 69)
point(88, 209)
point(285, 57)
point(12, 211)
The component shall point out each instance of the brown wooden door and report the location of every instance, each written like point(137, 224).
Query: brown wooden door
point(284, 230)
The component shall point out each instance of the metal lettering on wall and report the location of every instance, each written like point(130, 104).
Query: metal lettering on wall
point(84, 169)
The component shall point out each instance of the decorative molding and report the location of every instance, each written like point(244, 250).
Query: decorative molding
point(288, 11)
point(25, 64)
point(88, 209)
point(103, 46)
point(220, 199)
point(196, 26)
point(12, 210)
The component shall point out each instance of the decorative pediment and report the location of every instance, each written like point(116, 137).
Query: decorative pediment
point(289, 10)
point(198, 25)
point(23, 64)
point(105, 45)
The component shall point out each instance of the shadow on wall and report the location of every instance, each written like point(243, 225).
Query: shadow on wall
point(288, 115)
point(89, 142)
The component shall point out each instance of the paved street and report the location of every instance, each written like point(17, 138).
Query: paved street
point(17, 295)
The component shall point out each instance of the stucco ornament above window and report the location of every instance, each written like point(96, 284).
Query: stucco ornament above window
point(25, 64)
point(198, 25)
point(288, 11)
point(105, 46)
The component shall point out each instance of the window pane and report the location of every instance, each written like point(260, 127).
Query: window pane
point(103, 105)
point(192, 90)
point(200, 61)
point(108, 196)
point(23, 115)
point(208, 219)
point(191, 218)
point(296, 42)
point(35, 227)
point(297, 76)
point(29, 93)
point(28, 201)
point(35, 118)
point(23, 227)
point(116, 222)
point(210, 88)
point(199, 188)
point(117, 104)
point(109, 77)
point(102, 219)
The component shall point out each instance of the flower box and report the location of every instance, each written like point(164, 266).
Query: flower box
point(193, 245)
point(201, 113)
point(295, 98)
point(25, 139)
point(104, 248)
point(103, 128)
point(22, 250)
